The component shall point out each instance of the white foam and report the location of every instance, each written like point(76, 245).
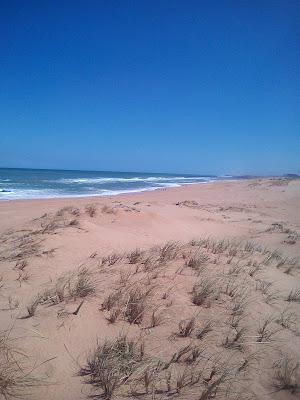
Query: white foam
point(102, 180)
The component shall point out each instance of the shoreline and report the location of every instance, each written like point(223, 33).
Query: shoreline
point(124, 193)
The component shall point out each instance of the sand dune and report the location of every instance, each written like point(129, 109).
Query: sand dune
point(186, 293)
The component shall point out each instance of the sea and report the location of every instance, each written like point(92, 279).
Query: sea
point(46, 183)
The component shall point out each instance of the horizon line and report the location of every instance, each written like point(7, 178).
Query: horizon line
point(156, 173)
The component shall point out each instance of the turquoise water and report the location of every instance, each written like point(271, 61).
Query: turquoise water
point(37, 183)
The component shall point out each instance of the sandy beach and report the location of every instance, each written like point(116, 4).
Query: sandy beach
point(222, 255)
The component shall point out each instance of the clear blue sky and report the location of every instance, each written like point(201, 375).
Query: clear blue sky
point(161, 85)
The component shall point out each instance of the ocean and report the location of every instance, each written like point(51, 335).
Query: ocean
point(46, 183)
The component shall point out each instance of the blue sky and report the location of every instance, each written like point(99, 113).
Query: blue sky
point(170, 86)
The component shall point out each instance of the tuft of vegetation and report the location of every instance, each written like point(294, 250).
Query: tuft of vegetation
point(197, 262)
point(204, 329)
point(203, 290)
point(135, 256)
point(16, 379)
point(265, 330)
point(287, 319)
point(108, 210)
point(169, 251)
point(68, 210)
point(186, 327)
point(136, 304)
point(235, 340)
point(294, 295)
point(111, 364)
point(69, 286)
point(111, 259)
point(91, 210)
point(31, 308)
point(286, 375)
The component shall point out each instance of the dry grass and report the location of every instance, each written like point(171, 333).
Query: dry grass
point(286, 375)
point(265, 287)
point(131, 302)
point(169, 251)
point(16, 379)
point(204, 329)
point(156, 318)
point(136, 304)
point(235, 339)
point(75, 284)
point(108, 210)
point(235, 270)
point(204, 290)
point(186, 327)
point(21, 264)
point(287, 319)
point(20, 247)
point(112, 300)
point(118, 368)
point(135, 256)
point(25, 243)
point(68, 210)
point(197, 262)
point(232, 288)
point(294, 296)
point(240, 302)
point(111, 364)
point(255, 268)
point(111, 259)
point(70, 286)
point(31, 308)
point(186, 354)
point(91, 210)
point(23, 276)
point(266, 331)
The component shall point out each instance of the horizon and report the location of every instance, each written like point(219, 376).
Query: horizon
point(155, 173)
point(149, 86)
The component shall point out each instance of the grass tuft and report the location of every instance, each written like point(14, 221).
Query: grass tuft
point(111, 364)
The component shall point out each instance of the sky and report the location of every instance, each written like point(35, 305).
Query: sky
point(159, 86)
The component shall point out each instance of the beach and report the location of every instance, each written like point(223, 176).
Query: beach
point(241, 234)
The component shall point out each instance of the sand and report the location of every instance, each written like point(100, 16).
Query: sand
point(255, 217)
